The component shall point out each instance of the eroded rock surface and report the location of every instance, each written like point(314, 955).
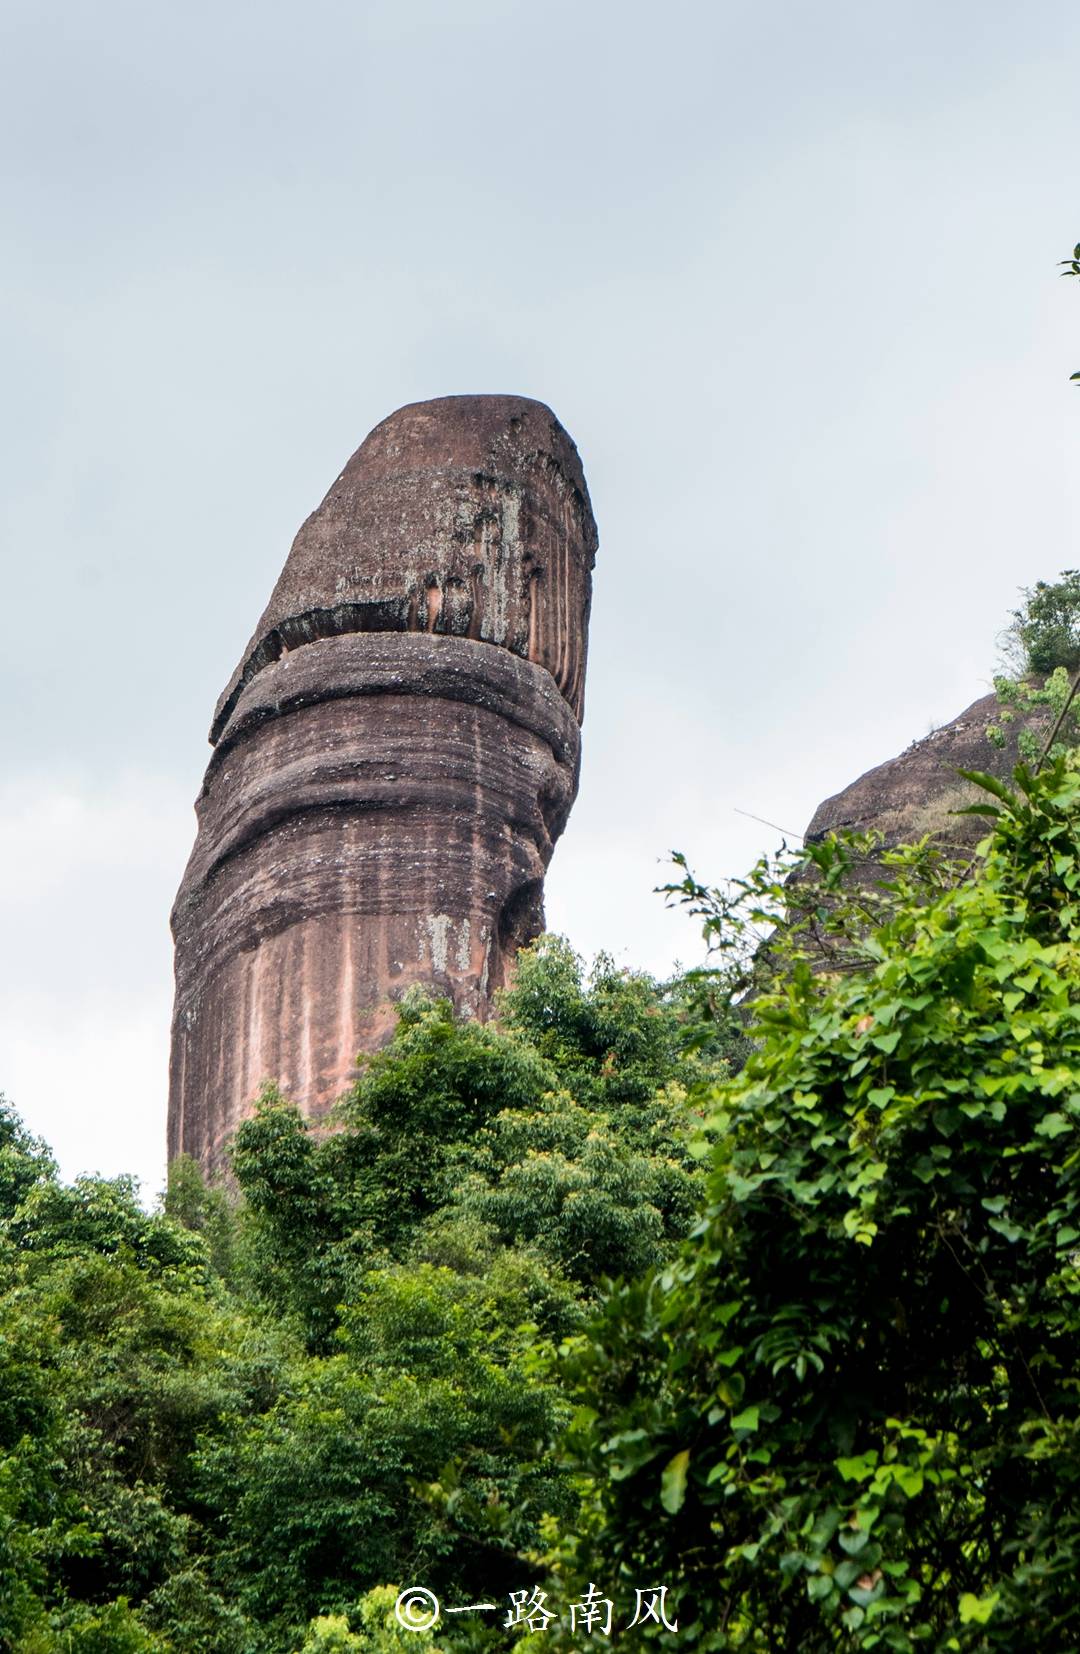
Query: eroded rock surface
point(395, 756)
point(915, 793)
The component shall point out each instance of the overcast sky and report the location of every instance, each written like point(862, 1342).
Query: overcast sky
point(785, 272)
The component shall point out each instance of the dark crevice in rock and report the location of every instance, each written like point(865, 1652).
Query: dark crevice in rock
point(493, 679)
point(416, 613)
point(521, 917)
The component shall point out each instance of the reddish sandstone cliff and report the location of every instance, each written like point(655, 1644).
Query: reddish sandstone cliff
point(395, 756)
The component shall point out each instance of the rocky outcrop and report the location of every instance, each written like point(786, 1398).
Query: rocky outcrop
point(394, 758)
point(917, 792)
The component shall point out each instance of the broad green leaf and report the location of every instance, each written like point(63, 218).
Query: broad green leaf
point(977, 1610)
point(673, 1482)
point(857, 1469)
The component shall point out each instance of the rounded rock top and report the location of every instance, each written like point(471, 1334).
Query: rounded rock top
point(467, 516)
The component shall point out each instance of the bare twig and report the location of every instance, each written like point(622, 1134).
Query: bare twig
point(750, 816)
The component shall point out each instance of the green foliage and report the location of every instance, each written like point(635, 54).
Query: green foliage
point(615, 1038)
point(422, 1441)
point(330, 1634)
point(1037, 695)
point(378, 1630)
point(204, 1209)
point(113, 1357)
point(842, 1415)
point(847, 1416)
point(808, 1333)
point(1044, 632)
point(226, 1426)
point(24, 1160)
point(595, 1194)
point(1041, 710)
point(468, 1130)
point(821, 902)
point(427, 1253)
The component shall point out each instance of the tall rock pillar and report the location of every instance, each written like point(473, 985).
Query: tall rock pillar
point(394, 758)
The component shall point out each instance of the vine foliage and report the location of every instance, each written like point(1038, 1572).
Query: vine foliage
point(848, 1415)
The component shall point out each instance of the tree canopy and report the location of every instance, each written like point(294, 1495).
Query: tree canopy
point(242, 1424)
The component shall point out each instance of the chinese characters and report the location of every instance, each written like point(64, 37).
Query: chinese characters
point(418, 1609)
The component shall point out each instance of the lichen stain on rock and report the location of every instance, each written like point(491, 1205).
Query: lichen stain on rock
point(438, 929)
point(464, 953)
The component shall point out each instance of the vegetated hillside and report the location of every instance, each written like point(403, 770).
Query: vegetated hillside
point(849, 1417)
point(244, 1427)
point(568, 1311)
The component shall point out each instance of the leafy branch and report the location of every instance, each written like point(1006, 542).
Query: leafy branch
point(1072, 268)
